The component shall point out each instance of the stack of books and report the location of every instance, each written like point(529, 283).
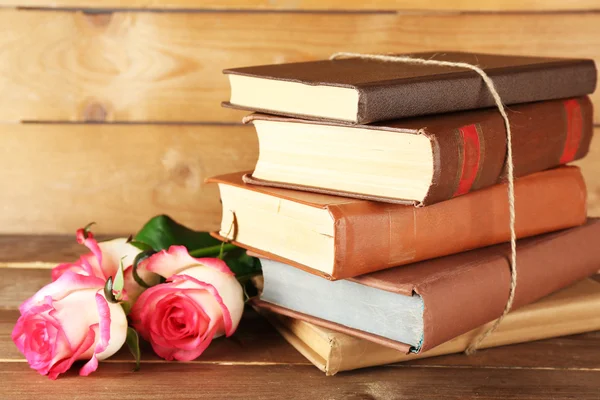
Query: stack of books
point(379, 205)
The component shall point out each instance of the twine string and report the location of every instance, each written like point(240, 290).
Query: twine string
point(509, 163)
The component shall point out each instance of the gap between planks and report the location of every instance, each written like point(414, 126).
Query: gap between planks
point(274, 363)
point(324, 7)
point(306, 11)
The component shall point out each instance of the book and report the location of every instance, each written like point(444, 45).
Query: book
point(339, 237)
point(362, 91)
point(417, 307)
point(570, 311)
point(423, 160)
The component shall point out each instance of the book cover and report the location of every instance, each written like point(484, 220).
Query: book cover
point(467, 151)
point(364, 91)
point(350, 237)
point(464, 291)
point(573, 310)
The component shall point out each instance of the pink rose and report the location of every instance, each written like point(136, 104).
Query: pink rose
point(201, 300)
point(104, 261)
point(68, 320)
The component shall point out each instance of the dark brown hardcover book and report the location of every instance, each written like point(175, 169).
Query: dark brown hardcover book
point(443, 298)
point(364, 91)
point(340, 237)
point(422, 160)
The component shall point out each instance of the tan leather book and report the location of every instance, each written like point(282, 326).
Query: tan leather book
point(339, 237)
point(419, 161)
point(364, 91)
point(417, 307)
point(573, 310)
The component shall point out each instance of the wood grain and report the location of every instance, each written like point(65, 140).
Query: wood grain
point(568, 352)
point(255, 342)
point(590, 167)
point(25, 263)
point(141, 66)
point(18, 284)
point(63, 176)
point(121, 175)
point(257, 363)
point(186, 381)
point(320, 5)
point(41, 248)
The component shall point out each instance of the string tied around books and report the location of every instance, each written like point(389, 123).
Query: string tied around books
point(509, 163)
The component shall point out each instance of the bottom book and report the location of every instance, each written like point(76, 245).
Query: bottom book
point(575, 309)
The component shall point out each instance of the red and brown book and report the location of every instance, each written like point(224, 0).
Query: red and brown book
point(363, 91)
point(423, 160)
point(420, 306)
point(340, 237)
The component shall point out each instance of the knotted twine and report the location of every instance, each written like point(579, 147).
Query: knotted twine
point(509, 163)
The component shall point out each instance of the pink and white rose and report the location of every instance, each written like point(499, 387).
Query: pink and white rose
point(68, 320)
point(104, 260)
point(200, 301)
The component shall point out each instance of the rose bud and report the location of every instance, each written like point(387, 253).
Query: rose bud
point(200, 301)
point(68, 320)
point(104, 260)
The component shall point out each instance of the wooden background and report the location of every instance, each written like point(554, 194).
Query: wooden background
point(110, 110)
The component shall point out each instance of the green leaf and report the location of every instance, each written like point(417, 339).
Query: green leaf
point(126, 306)
point(138, 259)
point(212, 251)
point(119, 282)
point(161, 232)
point(108, 291)
point(133, 342)
point(242, 265)
point(140, 245)
point(88, 228)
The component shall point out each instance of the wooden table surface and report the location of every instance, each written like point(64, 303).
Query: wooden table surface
point(256, 363)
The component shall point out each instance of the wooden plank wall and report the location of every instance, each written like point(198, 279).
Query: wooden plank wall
point(148, 74)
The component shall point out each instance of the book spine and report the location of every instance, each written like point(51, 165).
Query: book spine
point(464, 90)
point(544, 135)
point(544, 265)
point(378, 236)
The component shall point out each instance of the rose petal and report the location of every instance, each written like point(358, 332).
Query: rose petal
point(145, 305)
point(150, 308)
point(229, 329)
point(63, 365)
point(131, 287)
point(170, 353)
point(104, 330)
point(79, 267)
point(217, 264)
point(20, 335)
point(227, 286)
point(89, 242)
point(115, 252)
point(90, 366)
point(103, 262)
point(67, 283)
point(168, 263)
point(86, 265)
point(196, 321)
